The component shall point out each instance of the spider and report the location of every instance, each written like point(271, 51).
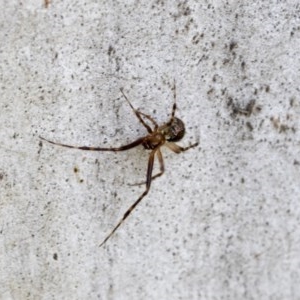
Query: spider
point(158, 136)
point(47, 2)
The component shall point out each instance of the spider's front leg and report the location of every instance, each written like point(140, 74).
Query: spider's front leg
point(161, 166)
point(89, 148)
point(133, 206)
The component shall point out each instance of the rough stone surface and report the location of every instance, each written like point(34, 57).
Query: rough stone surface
point(223, 221)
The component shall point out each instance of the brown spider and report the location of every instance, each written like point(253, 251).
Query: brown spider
point(167, 135)
point(47, 2)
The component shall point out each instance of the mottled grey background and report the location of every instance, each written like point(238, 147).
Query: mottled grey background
point(223, 221)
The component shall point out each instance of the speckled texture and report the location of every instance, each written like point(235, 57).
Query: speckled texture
point(223, 221)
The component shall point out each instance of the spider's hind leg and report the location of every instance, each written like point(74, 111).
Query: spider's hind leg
point(139, 114)
point(174, 107)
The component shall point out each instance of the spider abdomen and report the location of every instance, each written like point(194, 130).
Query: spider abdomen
point(173, 132)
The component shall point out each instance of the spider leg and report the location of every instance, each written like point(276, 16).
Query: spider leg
point(132, 207)
point(174, 107)
point(138, 114)
point(88, 148)
point(150, 119)
point(177, 149)
point(162, 169)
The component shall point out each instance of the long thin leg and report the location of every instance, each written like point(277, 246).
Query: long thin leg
point(132, 207)
point(137, 113)
point(161, 165)
point(88, 148)
point(150, 119)
point(177, 149)
point(174, 107)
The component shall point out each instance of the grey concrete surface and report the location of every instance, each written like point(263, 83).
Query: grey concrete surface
point(223, 221)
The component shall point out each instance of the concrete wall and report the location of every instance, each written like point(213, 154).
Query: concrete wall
point(223, 221)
